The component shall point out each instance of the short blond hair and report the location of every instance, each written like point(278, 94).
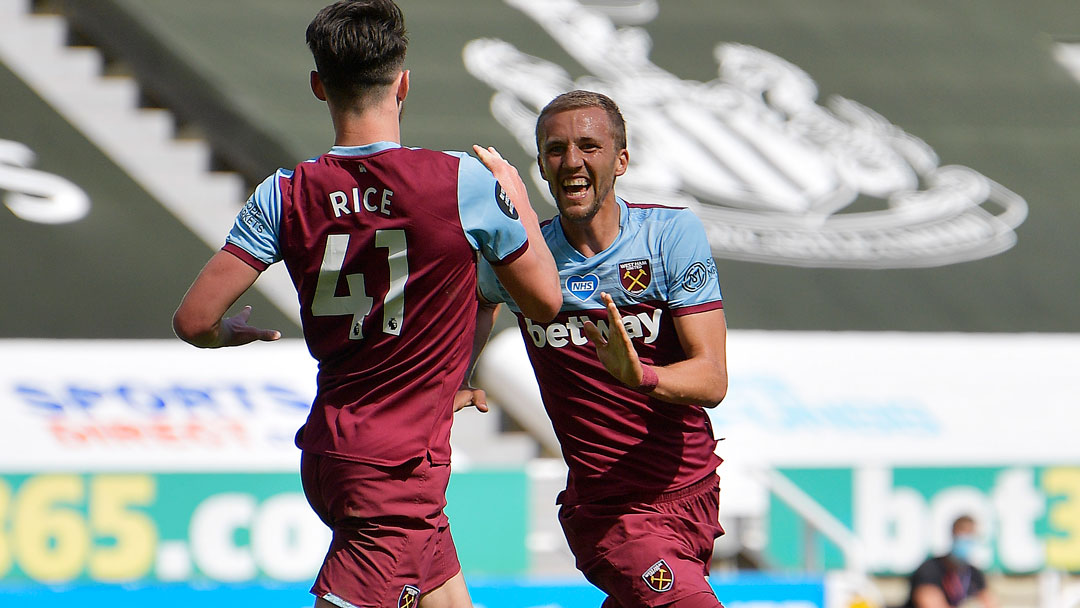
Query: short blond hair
point(578, 99)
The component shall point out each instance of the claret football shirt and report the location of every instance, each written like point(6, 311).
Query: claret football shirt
point(381, 243)
point(614, 439)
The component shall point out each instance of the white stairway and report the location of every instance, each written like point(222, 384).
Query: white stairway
point(176, 172)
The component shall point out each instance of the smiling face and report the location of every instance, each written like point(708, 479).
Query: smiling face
point(580, 160)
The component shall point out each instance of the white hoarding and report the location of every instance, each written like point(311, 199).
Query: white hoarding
point(156, 405)
point(854, 398)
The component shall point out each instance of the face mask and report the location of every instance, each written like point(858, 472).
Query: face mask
point(964, 547)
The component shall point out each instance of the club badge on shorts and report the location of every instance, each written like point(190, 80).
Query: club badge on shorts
point(409, 598)
point(635, 276)
point(659, 577)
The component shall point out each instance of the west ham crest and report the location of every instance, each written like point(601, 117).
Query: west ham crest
point(635, 276)
point(659, 577)
point(409, 598)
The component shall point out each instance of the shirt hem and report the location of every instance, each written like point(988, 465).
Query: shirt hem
point(245, 256)
point(649, 497)
point(517, 253)
point(689, 310)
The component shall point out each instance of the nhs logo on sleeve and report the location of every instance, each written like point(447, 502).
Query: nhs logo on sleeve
point(583, 287)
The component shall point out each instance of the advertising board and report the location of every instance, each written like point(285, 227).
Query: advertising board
point(1028, 517)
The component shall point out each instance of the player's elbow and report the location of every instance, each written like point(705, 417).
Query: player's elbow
point(714, 398)
point(540, 313)
point(545, 306)
point(543, 302)
point(191, 329)
point(535, 289)
point(716, 389)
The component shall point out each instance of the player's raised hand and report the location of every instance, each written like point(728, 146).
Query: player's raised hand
point(467, 396)
point(616, 352)
point(235, 330)
point(507, 176)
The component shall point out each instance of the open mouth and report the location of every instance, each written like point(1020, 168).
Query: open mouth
point(575, 187)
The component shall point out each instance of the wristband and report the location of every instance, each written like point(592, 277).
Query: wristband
point(648, 380)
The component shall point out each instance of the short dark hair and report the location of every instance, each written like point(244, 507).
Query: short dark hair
point(358, 46)
point(962, 522)
point(578, 99)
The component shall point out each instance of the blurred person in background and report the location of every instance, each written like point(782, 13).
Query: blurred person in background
point(951, 579)
point(627, 367)
point(381, 243)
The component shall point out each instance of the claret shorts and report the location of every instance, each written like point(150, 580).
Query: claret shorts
point(391, 540)
point(647, 553)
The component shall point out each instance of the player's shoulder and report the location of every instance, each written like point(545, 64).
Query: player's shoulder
point(424, 156)
point(654, 211)
point(658, 214)
point(649, 208)
point(458, 154)
point(475, 181)
point(549, 229)
point(388, 152)
point(466, 163)
point(272, 185)
point(450, 155)
point(301, 168)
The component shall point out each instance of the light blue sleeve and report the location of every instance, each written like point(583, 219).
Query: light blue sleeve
point(257, 225)
point(488, 284)
point(489, 219)
point(688, 263)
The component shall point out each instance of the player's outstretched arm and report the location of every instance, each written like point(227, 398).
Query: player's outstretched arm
point(199, 321)
point(532, 279)
point(700, 379)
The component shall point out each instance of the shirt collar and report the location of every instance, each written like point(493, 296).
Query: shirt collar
point(574, 254)
point(364, 150)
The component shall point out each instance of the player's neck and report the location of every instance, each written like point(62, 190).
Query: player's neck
point(597, 234)
point(380, 123)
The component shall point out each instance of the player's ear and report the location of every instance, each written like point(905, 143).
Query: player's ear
point(622, 161)
point(317, 86)
point(403, 86)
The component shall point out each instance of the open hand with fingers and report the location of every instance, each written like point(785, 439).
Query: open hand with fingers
point(469, 396)
point(235, 330)
point(616, 351)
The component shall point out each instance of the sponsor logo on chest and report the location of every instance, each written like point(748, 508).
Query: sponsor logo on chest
point(644, 326)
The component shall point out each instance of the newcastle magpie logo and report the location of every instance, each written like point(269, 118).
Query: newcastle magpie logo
point(659, 577)
point(409, 598)
point(776, 175)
